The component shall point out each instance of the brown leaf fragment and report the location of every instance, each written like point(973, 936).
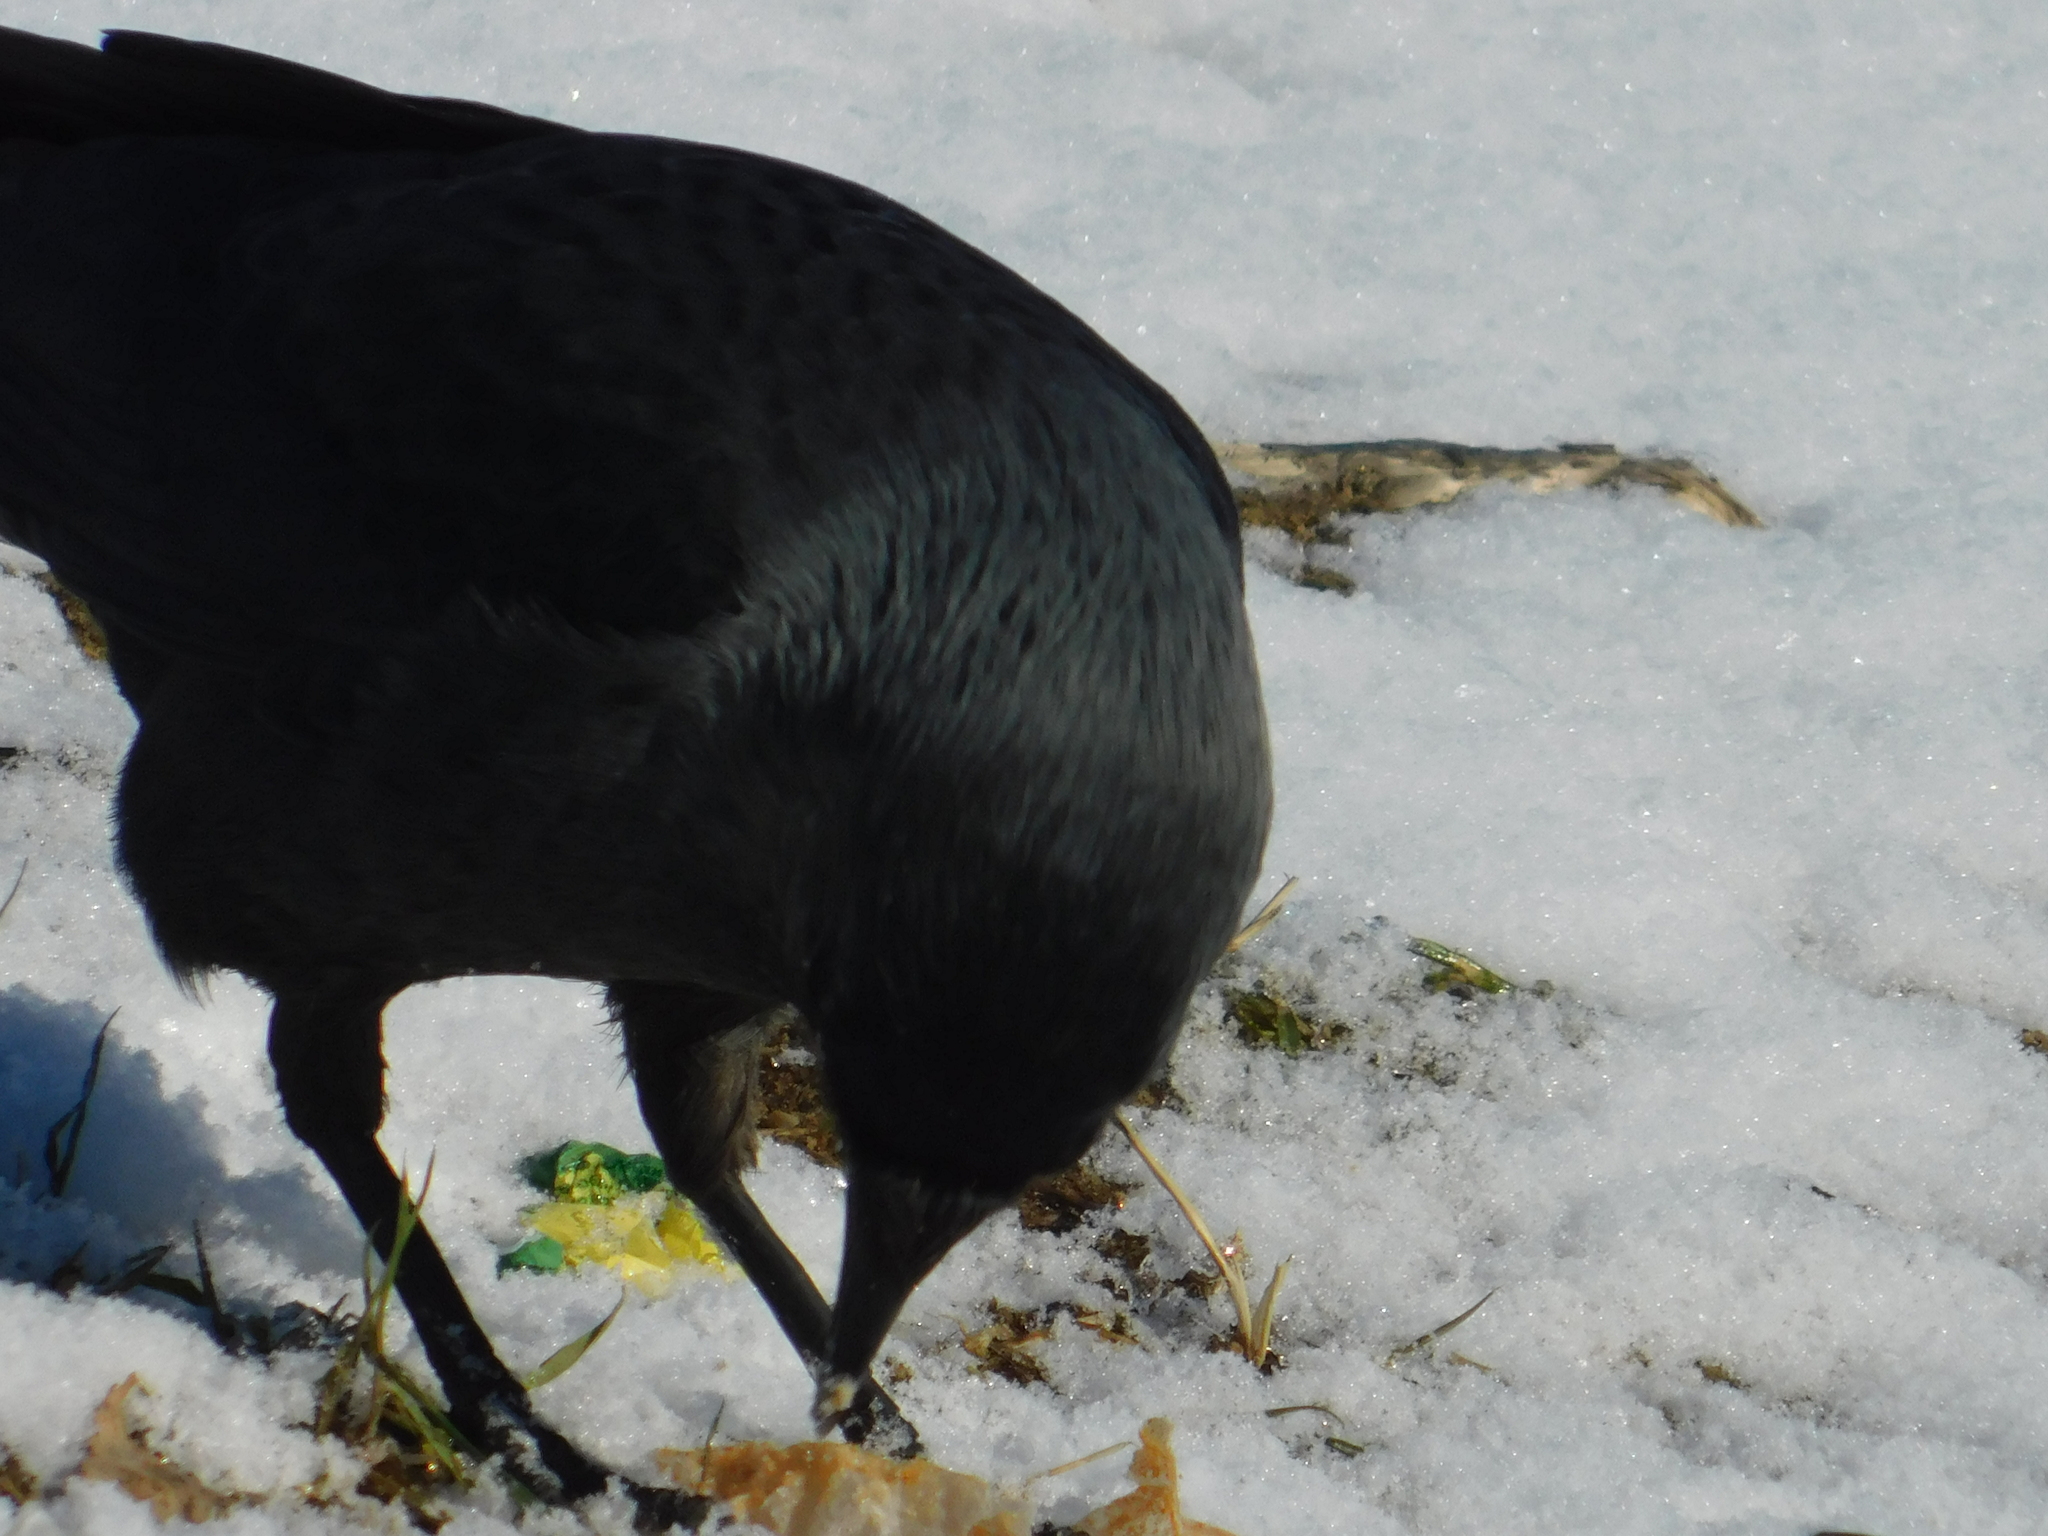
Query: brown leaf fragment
point(1719, 1374)
point(1302, 488)
point(1130, 1249)
point(1060, 1202)
point(406, 1478)
point(792, 1106)
point(1323, 578)
point(817, 1488)
point(1111, 1328)
point(1153, 1507)
point(86, 633)
point(16, 1481)
point(1158, 1094)
point(2035, 1040)
point(120, 1453)
point(1004, 1346)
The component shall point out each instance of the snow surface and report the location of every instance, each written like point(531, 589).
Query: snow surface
point(1766, 808)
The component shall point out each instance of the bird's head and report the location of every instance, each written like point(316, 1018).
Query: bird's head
point(998, 743)
point(999, 985)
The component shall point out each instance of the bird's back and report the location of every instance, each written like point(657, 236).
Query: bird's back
point(316, 380)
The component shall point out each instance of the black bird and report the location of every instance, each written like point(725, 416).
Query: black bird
point(537, 551)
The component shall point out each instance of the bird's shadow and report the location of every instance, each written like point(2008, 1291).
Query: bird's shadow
point(148, 1164)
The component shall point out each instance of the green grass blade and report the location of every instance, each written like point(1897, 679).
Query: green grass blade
point(565, 1357)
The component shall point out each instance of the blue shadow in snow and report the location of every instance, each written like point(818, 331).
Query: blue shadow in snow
point(149, 1162)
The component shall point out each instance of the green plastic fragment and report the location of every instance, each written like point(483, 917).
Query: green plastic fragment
point(593, 1173)
point(541, 1253)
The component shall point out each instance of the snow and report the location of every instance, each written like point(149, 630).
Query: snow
point(1766, 808)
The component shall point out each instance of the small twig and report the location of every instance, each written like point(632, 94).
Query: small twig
point(223, 1325)
point(1324, 1409)
point(1437, 1333)
point(14, 890)
point(1262, 1315)
point(703, 1487)
point(1077, 1463)
point(136, 1271)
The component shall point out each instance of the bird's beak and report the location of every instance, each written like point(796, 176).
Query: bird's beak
point(897, 1229)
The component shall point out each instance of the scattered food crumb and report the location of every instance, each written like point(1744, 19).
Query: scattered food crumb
point(16, 1481)
point(1153, 1507)
point(819, 1488)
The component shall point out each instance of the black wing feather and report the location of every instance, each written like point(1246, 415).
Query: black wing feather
point(141, 83)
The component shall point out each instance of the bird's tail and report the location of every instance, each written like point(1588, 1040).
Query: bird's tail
point(140, 84)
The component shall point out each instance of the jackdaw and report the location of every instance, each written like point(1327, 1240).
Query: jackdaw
point(538, 551)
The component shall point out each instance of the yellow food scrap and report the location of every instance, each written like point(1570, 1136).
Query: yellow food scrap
point(643, 1237)
point(1153, 1507)
point(818, 1488)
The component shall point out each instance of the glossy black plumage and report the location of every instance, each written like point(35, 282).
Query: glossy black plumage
point(616, 558)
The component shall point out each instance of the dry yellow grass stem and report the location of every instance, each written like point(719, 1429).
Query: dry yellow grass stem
point(1264, 919)
point(1254, 1326)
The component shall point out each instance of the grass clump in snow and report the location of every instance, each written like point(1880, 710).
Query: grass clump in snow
point(1263, 1012)
point(1005, 1345)
point(1302, 489)
point(411, 1447)
point(1062, 1201)
point(1254, 1336)
point(1265, 1017)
